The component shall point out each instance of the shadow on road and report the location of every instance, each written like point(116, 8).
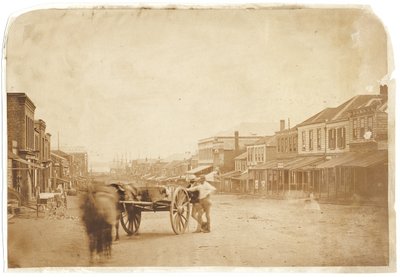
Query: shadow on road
point(144, 236)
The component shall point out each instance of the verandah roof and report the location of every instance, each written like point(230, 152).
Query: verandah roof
point(199, 169)
point(355, 159)
point(291, 164)
point(369, 159)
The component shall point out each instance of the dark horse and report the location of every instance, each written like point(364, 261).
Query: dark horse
point(99, 208)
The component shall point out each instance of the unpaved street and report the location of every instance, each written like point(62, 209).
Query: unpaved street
point(246, 231)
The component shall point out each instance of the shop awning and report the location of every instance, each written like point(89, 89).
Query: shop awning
point(336, 161)
point(355, 159)
point(61, 179)
point(17, 158)
point(199, 169)
point(306, 162)
point(242, 177)
point(230, 174)
point(292, 164)
point(369, 159)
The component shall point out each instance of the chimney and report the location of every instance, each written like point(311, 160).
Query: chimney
point(282, 125)
point(236, 141)
point(383, 91)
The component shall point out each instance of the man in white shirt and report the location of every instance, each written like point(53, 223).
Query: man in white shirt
point(196, 207)
point(205, 189)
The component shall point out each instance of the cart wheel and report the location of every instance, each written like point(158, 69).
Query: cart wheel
point(180, 210)
point(131, 227)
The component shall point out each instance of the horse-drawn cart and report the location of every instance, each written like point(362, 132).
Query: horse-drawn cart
point(175, 200)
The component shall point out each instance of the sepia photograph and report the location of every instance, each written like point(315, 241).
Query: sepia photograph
point(199, 138)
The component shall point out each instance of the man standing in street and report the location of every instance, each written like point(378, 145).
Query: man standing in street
point(205, 189)
point(196, 207)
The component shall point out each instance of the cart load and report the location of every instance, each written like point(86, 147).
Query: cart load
point(158, 198)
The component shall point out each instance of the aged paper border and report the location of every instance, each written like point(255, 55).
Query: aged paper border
point(392, 44)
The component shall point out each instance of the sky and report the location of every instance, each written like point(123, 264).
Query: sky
point(149, 83)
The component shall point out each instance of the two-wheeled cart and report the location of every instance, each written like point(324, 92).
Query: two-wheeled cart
point(177, 204)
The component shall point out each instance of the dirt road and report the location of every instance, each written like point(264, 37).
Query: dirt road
point(246, 232)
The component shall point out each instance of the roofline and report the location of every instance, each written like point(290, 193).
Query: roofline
point(63, 152)
point(58, 156)
point(345, 106)
point(339, 114)
point(327, 122)
point(222, 137)
point(287, 130)
point(22, 95)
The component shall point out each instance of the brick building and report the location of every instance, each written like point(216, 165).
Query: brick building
point(60, 169)
point(219, 152)
point(80, 166)
point(23, 166)
point(42, 145)
point(286, 141)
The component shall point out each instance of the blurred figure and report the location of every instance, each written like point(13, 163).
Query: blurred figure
point(99, 214)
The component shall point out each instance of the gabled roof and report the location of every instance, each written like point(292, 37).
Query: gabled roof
point(241, 156)
point(267, 140)
point(341, 111)
point(383, 107)
point(357, 102)
point(325, 114)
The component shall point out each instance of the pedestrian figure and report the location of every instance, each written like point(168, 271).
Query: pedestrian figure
point(197, 211)
point(205, 189)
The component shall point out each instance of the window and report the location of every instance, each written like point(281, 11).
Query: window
point(42, 153)
point(362, 127)
point(36, 142)
point(257, 156)
point(249, 154)
point(29, 133)
point(310, 140)
point(303, 141)
point(332, 139)
point(290, 144)
point(341, 138)
point(262, 154)
point(355, 128)
point(319, 146)
point(286, 144)
point(283, 145)
point(295, 144)
point(26, 132)
point(370, 124)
